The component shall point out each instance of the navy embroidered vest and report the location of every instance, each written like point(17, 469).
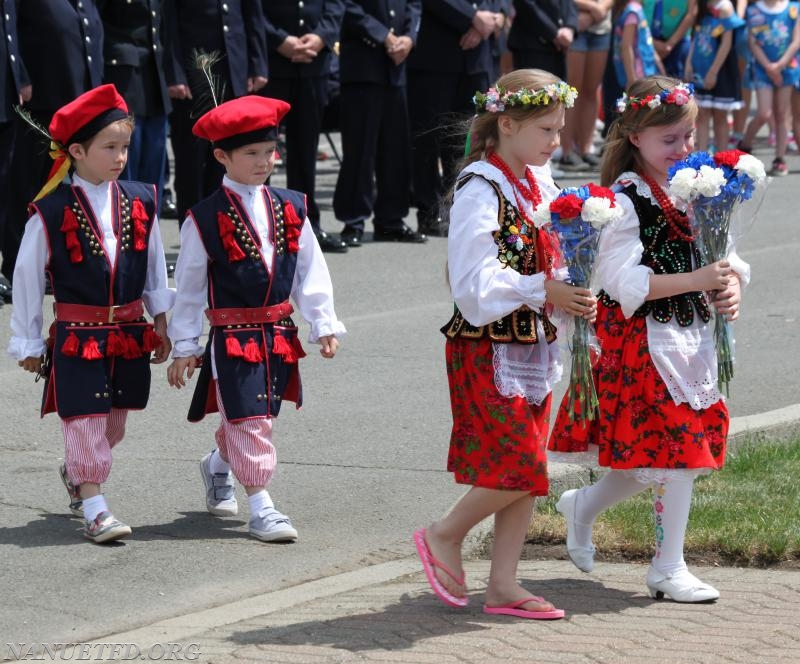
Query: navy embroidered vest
point(238, 278)
point(81, 383)
point(519, 326)
point(664, 254)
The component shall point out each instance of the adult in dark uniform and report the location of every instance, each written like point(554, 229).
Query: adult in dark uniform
point(233, 28)
point(451, 60)
point(61, 45)
point(541, 34)
point(134, 62)
point(300, 37)
point(377, 37)
point(14, 89)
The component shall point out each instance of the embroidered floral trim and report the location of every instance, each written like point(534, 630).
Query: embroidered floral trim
point(497, 100)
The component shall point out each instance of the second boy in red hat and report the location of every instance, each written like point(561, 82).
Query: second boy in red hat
point(245, 250)
point(98, 240)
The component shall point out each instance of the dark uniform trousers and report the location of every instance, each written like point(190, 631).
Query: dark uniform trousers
point(303, 85)
point(376, 169)
point(442, 79)
point(61, 44)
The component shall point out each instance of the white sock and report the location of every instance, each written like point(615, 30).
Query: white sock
point(217, 465)
point(614, 487)
point(671, 505)
point(93, 506)
point(259, 502)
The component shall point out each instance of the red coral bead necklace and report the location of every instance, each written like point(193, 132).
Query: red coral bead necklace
point(676, 220)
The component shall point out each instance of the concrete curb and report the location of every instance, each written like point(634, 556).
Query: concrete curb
point(778, 424)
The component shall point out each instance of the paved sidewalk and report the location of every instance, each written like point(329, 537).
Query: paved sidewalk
point(610, 618)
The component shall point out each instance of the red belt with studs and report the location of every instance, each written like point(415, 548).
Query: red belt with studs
point(249, 315)
point(85, 313)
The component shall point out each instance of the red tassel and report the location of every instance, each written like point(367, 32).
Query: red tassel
point(225, 224)
point(281, 347)
point(151, 340)
point(233, 347)
point(115, 345)
point(132, 350)
point(290, 215)
point(252, 352)
point(71, 345)
point(70, 222)
point(140, 219)
point(235, 252)
point(76, 255)
point(91, 351)
point(72, 241)
point(298, 348)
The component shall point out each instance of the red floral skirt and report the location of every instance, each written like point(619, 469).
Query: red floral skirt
point(639, 425)
point(497, 442)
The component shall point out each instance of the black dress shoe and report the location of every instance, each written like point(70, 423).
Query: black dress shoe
point(170, 269)
point(352, 236)
point(5, 289)
point(329, 244)
point(401, 234)
point(169, 210)
point(435, 228)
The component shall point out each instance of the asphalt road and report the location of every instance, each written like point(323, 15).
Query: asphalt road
point(360, 466)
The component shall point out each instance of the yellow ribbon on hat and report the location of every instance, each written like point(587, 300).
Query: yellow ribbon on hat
point(58, 172)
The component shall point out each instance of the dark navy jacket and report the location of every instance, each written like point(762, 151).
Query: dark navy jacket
point(444, 22)
point(537, 21)
point(61, 44)
point(297, 18)
point(366, 24)
point(11, 70)
point(234, 28)
point(248, 389)
point(78, 386)
point(133, 50)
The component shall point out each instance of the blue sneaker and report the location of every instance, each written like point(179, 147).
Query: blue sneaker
point(75, 502)
point(220, 496)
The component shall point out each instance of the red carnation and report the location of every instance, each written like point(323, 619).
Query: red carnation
point(567, 207)
point(728, 158)
point(601, 192)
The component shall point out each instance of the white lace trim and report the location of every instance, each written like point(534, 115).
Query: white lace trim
point(643, 189)
point(527, 370)
point(686, 360)
point(547, 187)
point(650, 476)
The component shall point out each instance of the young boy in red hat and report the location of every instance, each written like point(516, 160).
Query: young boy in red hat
point(245, 250)
point(98, 241)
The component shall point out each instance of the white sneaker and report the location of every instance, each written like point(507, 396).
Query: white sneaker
point(680, 586)
point(581, 556)
point(220, 496)
point(272, 526)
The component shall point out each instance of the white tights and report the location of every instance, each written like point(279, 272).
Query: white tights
point(671, 503)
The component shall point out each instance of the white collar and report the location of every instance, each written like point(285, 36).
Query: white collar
point(88, 187)
point(643, 189)
point(542, 174)
point(244, 190)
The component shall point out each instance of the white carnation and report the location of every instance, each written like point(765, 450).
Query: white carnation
point(710, 181)
point(598, 211)
point(684, 184)
point(752, 167)
point(541, 215)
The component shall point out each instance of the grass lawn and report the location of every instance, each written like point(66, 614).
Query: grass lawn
point(747, 514)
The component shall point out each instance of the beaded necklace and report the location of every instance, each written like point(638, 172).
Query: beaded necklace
point(678, 223)
point(531, 194)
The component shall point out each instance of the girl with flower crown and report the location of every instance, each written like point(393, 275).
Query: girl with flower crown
point(662, 420)
point(501, 359)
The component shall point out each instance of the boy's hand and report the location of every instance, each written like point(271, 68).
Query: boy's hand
point(330, 344)
point(161, 354)
point(32, 364)
point(573, 300)
point(179, 366)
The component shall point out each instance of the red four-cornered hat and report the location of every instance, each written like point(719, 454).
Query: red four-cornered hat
point(250, 119)
point(83, 117)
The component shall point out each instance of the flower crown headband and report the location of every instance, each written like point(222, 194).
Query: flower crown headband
point(496, 100)
point(680, 95)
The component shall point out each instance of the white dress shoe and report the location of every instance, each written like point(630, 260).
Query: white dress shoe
point(581, 556)
point(680, 586)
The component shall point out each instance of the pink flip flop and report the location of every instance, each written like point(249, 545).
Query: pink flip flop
point(430, 564)
point(512, 610)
